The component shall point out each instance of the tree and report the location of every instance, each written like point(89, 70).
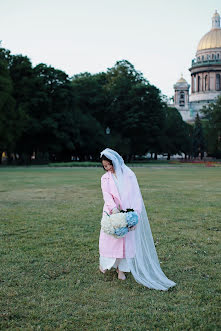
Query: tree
point(187, 143)
point(177, 133)
point(91, 138)
point(198, 138)
point(7, 108)
point(90, 98)
point(52, 126)
point(135, 110)
point(212, 125)
point(23, 82)
point(90, 94)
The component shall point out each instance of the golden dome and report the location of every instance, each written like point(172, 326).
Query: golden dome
point(181, 81)
point(211, 39)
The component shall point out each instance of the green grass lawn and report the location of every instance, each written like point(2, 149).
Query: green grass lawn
point(50, 223)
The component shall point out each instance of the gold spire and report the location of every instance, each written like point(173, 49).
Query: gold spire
point(212, 39)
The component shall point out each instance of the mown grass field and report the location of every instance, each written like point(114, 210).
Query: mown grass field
point(49, 229)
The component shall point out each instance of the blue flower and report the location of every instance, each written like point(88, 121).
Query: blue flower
point(120, 232)
point(132, 218)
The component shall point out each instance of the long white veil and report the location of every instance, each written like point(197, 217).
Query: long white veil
point(144, 264)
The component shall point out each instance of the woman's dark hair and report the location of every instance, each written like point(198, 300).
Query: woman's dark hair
point(104, 158)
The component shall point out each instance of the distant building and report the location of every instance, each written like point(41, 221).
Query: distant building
point(181, 98)
point(205, 75)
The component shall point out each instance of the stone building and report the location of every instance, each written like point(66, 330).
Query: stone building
point(205, 75)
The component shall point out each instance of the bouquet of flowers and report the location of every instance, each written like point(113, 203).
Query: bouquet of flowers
point(119, 224)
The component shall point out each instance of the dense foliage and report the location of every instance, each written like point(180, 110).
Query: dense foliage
point(48, 115)
point(198, 138)
point(212, 127)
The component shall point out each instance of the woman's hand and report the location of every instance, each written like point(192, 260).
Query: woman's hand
point(132, 228)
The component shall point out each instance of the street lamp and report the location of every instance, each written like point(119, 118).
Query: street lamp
point(108, 135)
point(108, 130)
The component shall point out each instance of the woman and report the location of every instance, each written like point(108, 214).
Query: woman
point(135, 252)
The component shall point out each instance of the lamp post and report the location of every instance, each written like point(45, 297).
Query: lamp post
point(107, 133)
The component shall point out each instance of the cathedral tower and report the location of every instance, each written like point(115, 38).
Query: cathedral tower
point(181, 97)
point(206, 68)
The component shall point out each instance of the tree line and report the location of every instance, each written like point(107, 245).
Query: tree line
point(46, 113)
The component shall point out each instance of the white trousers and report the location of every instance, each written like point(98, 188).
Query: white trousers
point(107, 263)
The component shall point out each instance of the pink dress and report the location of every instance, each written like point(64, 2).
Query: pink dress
point(108, 245)
point(112, 250)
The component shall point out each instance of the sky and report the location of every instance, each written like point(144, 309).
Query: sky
point(158, 37)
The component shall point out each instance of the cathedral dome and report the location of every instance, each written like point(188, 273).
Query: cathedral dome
point(182, 81)
point(212, 39)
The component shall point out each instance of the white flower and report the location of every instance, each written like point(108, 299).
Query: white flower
point(118, 220)
point(106, 225)
point(112, 222)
